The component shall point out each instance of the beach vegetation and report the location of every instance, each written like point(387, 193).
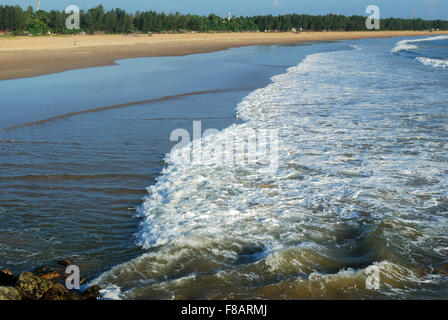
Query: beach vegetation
point(15, 20)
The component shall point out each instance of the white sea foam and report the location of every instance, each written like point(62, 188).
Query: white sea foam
point(409, 45)
point(350, 158)
point(111, 292)
point(355, 47)
point(404, 46)
point(436, 63)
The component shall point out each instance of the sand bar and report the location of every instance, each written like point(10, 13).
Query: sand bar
point(32, 56)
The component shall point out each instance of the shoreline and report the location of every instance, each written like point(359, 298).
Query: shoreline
point(23, 57)
point(60, 293)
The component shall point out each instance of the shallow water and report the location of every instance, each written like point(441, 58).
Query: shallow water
point(360, 183)
point(78, 148)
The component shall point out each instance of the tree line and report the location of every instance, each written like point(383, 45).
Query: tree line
point(15, 20)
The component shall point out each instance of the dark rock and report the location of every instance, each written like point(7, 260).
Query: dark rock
point(6, 271)
point(32, 287)
point(42, 270)
point(7, 278)
point(65, 262)
point(9, 293)
point(58, 292)
point(93, 293)
point(443, 269)
point(51, 275)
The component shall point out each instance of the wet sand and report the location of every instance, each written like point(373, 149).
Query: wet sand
point(22, 57)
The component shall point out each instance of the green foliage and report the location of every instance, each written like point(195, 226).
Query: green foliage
point(14, 19)
point(37, 27)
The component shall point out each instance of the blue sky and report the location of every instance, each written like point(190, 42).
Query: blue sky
point(426, 9)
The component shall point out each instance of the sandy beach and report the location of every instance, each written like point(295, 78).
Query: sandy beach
point(32, 56)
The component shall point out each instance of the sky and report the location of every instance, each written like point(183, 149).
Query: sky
point(425, 9)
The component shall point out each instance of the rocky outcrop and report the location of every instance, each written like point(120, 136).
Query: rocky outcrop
point(32, 287)
point(43, 284)
point(41, 270)
point(92, 293)
point(443, 269)
point(65, 262)
point(58, 293)
point(51, 275)
point(7, 278)
point(9, 293)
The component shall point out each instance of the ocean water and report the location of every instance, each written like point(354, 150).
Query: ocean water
point(78, 148)
point(430, 51)
point(361, 181)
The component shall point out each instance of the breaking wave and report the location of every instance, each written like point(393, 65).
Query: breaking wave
point(361, 182)
point(436, 63)
point(411, 44)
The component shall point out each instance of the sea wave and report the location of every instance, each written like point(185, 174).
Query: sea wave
point(410, 44)
point(350, 192)
point(436, 63)
point(355, 47)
